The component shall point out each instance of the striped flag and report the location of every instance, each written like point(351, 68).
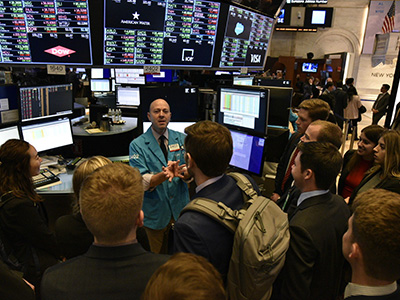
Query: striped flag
point(388, 23)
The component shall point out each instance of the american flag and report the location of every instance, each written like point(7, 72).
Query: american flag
point(388, 23)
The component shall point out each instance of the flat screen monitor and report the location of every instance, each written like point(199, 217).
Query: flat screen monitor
point(130, 76)
point(100, 85)
point(280, 101)
point(164, 33)
point(45, 32)
point(45, 101)
point(9, 133)
point(8, 104)
point(273, 82)
point(244, 108)
point(243, 80)
point(177, 126)
point(183, 101)
point(248, 152)
point(128, 96)
point(246, 39)
point(48, 135)
point(318, 17)
point(309, 67)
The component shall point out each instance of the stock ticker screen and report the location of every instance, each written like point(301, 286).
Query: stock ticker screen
point(165, 33)
point(41, 32)
point(246, 39)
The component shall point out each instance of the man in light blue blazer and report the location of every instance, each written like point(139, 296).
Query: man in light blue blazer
point(150, 153)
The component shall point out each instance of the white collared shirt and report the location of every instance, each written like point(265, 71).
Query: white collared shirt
point(207, 183)
point(353, 289)
point(306, 195)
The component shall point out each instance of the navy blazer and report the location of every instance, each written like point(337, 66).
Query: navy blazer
point(197, 233)
point(103, 273)
point(314, 261)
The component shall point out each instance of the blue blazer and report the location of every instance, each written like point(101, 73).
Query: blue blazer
point(169, 198)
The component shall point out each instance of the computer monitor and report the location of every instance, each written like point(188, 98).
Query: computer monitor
point(164, 76)
point(130, 76)
point(177, 126)
point(46, 32)
point(246, 39)
point(128, 96)
point(45, 101)
point(48, 135)
point(248, 152)
point(160, 33)
point(243, 80)
point(183, 101)
point(280, 101)
point(100, 85)
point(8, 104)
point(9, 133)
point(244, 108)
point(308, 67)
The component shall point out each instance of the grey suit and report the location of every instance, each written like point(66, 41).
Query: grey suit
point(102, 273)
point(381, 104)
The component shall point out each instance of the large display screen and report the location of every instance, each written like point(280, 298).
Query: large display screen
point(246, 39)
point(42, 32)
point(166, 33)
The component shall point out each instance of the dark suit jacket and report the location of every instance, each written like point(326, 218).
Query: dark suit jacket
point(112, 273)
point(314, 261)
point(283, 164)
point(381, 105)
point(24, 224)
point(391, 184)
point(197, 233)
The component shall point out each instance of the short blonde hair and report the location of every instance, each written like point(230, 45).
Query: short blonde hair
point(111, 199)
point(185, 276)
point(86, 168)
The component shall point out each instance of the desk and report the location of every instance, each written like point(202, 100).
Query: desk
point(109, 143)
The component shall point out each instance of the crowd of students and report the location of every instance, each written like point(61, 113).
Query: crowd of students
point(102, 252)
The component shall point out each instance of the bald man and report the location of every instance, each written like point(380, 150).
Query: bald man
point(150, 153)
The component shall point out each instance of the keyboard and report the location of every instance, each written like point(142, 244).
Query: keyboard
point(44, 178)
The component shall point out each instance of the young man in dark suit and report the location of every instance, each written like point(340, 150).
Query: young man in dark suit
point(372, 245)
point(381, 104)
point(317, 222)
point(115, 266)
point(308, 111)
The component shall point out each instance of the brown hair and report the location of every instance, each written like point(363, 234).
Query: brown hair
point(317, 109)
point(392, 157)
point(83, 170)
point(210, 144)
point(376, 228)
point(323, 159)
point(372, 132)
point(15, 173)
point(329, 133)
point(111, 199)
point(185, 276)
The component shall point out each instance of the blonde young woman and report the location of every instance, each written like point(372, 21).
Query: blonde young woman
point(386, 173)
point(73, 237)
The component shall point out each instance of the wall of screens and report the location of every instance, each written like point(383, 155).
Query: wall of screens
point(42, 32)
point(193, 34)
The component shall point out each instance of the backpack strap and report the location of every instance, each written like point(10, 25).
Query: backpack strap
point(6, 197)
point(217, 211)
point(245, 185)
